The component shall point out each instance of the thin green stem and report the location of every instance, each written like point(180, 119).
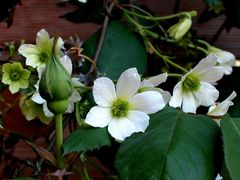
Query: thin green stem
point(165, 58)
point(59, 140)
point(175, 75)
point(85, 172)
point(203, 42)
point(151, 18)
point(137, 8)
point(198, 48)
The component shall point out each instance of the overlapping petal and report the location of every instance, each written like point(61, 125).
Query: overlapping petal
point(104, 92)
point(99, 117)
point(209, 61)
point(221, 109)
point(211, 74)
point(139, 119)
point(189, 104)
point(154, 81)
point(148, 102)
point(207, 94)
point(121, 128)
point(176, 99)
point(128, 83)
point(43, 41)
point(28, 49)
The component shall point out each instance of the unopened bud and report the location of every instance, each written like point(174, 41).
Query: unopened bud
point(177, 31)
point(55, 85)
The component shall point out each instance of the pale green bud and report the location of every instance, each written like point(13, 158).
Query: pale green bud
point(178, 30)
point(55, 85)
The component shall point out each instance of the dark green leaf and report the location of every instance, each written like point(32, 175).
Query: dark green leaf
point(85, 139)
point(175, 146)
point(231, 139)
point(121, 50)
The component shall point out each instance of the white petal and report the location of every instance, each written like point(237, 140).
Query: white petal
point(189, 104)
point(37, 98)
point(32, 60)
point(232, 96)
point(104, 92)
point(212, 74)
point(139, 119)
point(176, 99)
point(121, 128)
point(28, 49)
point(46, 111)
point(42, 40)
point(207, 62)
point(165, 94)
point(75, 97)
point(76, 82)
point(59, 46)
point(225, 57)
point(128, 83)
point(227, 69)
point(207, 94)
point(99, 117)
point(154, 81)
point(222, 108)
point(148, 102)
point(67, 63)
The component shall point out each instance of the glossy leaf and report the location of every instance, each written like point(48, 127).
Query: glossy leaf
point(121, 50)
point(231, 137)
point(85, 139)
point(175, 146)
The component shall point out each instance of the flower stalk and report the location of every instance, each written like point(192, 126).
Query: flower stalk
point(59, 140)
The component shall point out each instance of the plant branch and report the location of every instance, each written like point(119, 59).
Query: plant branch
point(102, 37)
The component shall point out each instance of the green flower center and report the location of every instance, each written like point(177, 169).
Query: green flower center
point(120, 108)
point(43, 57)
point(15, 75)
point(191, 83)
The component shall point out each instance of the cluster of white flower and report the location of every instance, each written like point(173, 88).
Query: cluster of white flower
point(124, 108)
point(37, 56)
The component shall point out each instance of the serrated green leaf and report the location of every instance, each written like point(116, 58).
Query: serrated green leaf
point(231, 139)
point(85, 139)
point(175, 146)
point(121, 50)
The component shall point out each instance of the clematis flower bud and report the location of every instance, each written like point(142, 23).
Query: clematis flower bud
point(55, 85)
point(178, 30)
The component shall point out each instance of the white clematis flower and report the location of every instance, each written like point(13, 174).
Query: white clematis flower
point(225, 59)
point(220, 109)
point(151, 83)
point(122, 109)
point(195, 87)
point(37, 55)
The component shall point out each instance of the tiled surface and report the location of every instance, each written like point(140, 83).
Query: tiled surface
point(34, 15)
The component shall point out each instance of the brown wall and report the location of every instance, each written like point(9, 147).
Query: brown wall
point(36, 14)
